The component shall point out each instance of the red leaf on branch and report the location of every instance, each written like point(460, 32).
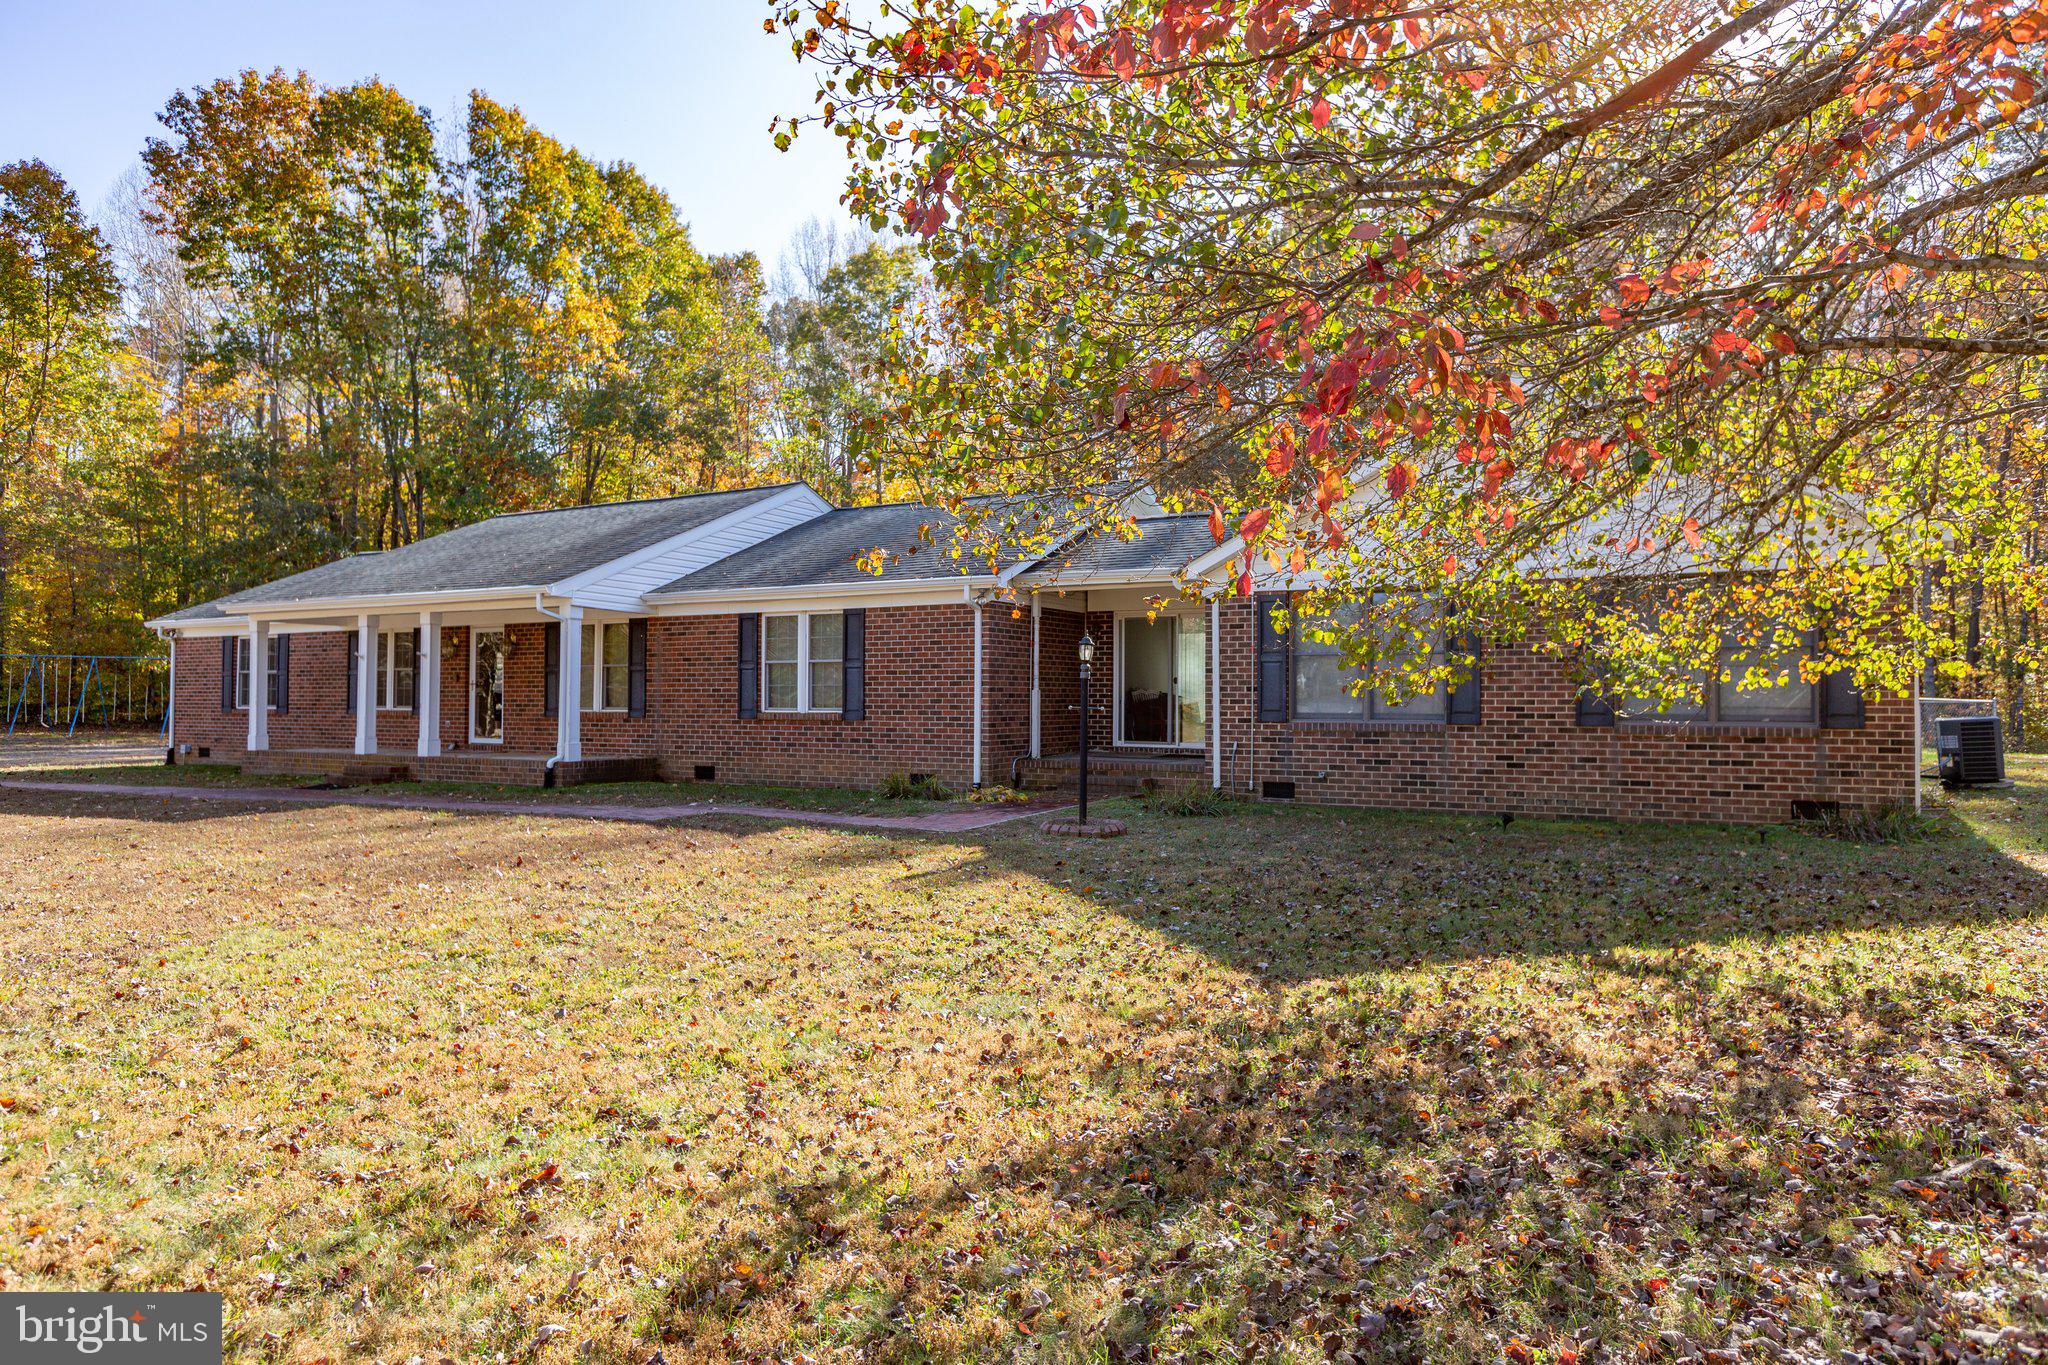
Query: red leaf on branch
point(1253, 523)
point(1400, 478)
point(1319, 113)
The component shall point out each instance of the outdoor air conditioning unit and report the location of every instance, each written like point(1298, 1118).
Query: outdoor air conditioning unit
point(1971, 750)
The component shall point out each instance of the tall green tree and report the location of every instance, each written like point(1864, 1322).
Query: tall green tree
point(58, 293)
point(831, 328)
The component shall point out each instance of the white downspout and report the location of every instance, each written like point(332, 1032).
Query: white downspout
point(1037, 606)
point(977, 695)
point(1215, 662)
point(170, 638)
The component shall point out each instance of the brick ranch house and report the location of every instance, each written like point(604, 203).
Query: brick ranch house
point(735, 636)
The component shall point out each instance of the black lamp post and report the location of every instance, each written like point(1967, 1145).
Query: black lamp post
point(1087, 652)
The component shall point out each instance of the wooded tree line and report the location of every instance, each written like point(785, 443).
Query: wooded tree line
point(320, 321)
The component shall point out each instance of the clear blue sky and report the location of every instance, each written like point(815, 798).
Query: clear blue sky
point(683, 89)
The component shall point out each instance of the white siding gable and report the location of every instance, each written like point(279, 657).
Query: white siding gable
point(620, 585)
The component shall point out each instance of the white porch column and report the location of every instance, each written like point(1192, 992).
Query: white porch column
point(569, 699)
point(1215, 695)
point(427, 684)
point(1037, 618)
point(366, 684)
point(977, 694)
point(259, 686)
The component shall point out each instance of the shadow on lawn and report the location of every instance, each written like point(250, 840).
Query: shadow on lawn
point(1298, 895)
point(1429, 1186)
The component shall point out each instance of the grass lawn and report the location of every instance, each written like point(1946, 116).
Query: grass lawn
point(1287, 1084)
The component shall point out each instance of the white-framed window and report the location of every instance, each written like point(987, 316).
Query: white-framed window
point(1753, 684)
point(1328, 688)
point(803, 662)
point(396, 665)
point(242, 673)
point(607, 666)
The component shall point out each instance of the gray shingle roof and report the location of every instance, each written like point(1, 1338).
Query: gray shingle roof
point(917, 540)
point(516, 550)
point(1165, 546)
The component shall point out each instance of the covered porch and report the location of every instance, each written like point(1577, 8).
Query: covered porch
point(507, 692)
point(1152, 694)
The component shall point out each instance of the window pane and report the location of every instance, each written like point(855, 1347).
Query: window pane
point(826, 631)
point(1783, 695)
point(1322, 687)
point(782, 686)
point(588, 663)
point(242, 673)
point(270, 672)
point(827, 685)
point(779, 639)
point(1650, 708)
point(403, 666)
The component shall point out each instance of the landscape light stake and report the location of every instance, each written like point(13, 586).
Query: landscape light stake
point(1087, 651)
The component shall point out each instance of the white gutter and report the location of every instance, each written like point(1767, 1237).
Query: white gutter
point(966, 583)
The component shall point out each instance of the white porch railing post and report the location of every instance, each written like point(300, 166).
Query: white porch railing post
point(427, 684)
point(259, 686)
point(366, 684)
point(569, 704)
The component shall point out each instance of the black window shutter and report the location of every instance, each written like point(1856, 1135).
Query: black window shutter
point(551, 669)
point(1595, 709)
point(1841, 701)
point(228, 645)
point(854, 636)
point(1464, 708)
point(750, 665)
point(636, 666)
point(281, 689)
point(1276, 657)
point(354, 638)
point(414, 645)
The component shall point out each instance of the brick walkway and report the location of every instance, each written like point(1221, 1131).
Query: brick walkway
point(938, 822)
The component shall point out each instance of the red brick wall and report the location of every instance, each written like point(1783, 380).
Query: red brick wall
point(920, 674)
point(1059, 682)
point(318, 718)
point(1529, 756)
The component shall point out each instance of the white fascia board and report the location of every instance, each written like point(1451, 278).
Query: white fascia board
point(799, 493)
point(446, 599)
point(1217, 558)
point(235, 625)
point(832, 597)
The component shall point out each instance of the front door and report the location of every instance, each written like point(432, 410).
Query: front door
point(1162, 667)
point(487, 687)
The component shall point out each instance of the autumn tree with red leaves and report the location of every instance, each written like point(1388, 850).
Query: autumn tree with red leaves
point(1574, 317)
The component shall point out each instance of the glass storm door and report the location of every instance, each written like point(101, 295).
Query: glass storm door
point(1190, 673)
point(487, 687)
